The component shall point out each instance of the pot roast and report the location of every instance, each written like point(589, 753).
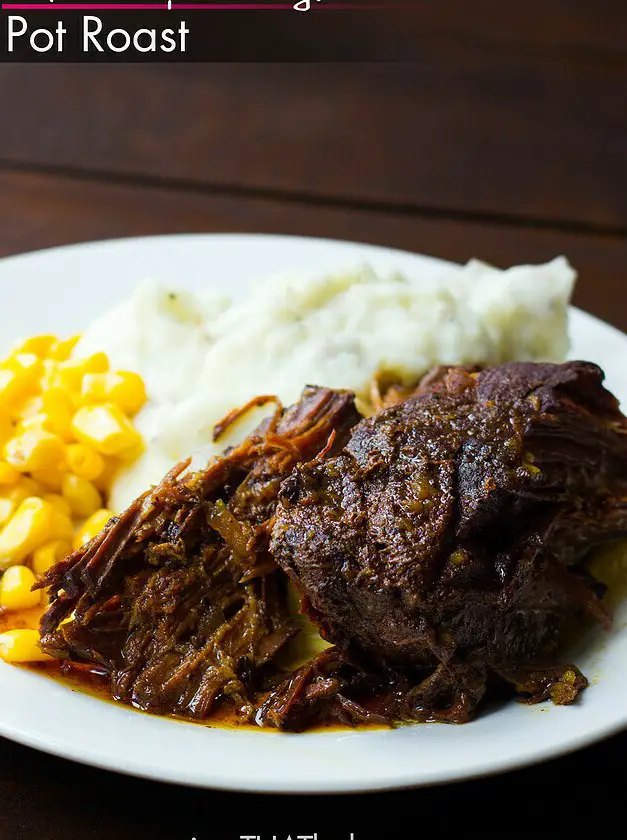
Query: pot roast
point(441, 546)
point(449, 538)
point(177, 601)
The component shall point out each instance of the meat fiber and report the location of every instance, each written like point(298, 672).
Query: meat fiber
point(177, 600)
point(445, 547)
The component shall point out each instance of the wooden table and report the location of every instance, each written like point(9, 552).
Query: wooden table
point(506, 140)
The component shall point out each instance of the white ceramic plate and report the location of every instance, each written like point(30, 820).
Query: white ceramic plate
point(60, 291)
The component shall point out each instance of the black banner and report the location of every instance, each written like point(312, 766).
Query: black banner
point(296, 31)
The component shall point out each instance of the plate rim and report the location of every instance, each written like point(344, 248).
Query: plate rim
point(258, 784)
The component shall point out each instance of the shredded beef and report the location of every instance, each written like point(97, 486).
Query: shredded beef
point(441, 546)
point(178, 599)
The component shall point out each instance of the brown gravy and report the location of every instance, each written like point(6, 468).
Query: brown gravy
point(90, 682)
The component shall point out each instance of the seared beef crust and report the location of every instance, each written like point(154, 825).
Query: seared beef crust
point(453, 529)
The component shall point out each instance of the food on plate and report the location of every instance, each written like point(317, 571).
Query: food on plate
point(441, 546)
point(65, 426)
point(21, 646)
point(177, 600)
point(409, 542)
point(201, 357)
point(452, 534)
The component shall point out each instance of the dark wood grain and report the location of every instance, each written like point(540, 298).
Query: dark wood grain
point(40, 211)
point(505, 140)
point(539, 24)
point(472, 128)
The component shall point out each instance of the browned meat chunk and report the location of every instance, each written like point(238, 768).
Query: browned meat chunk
point(449, 539)
point(178, 600)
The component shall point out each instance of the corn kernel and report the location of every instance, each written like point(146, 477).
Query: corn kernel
point(85, 461)
point(68, 375)
point(57, 399)
point(55, 423)
point(58, 409)
point(6, 427)
point(28, 528)
point(96, 363)
point(54, 414)
point(52, 411)
point(133, 452)
point(80, 494)
point(28, 368)
point(8, 474)
point(64, 431)
point(60, 351)
point(49, 377)
point(49, 479)
point(95, 387)
point(13, 385)
point(27, 364)
point(105, 479)
point(35, 449)
point(124, 388)
point(104, 427)
point(27, 408)
point(49, 555)
point(61, 527)
point(13, 495)
point(92, 526)
point(59, 504)
point(22, 490)
point(21, 646)
point(7, 509)
point(40, 345)
point(35, 421)
point(15, 589)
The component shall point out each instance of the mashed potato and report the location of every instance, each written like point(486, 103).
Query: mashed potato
point(201, 356)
